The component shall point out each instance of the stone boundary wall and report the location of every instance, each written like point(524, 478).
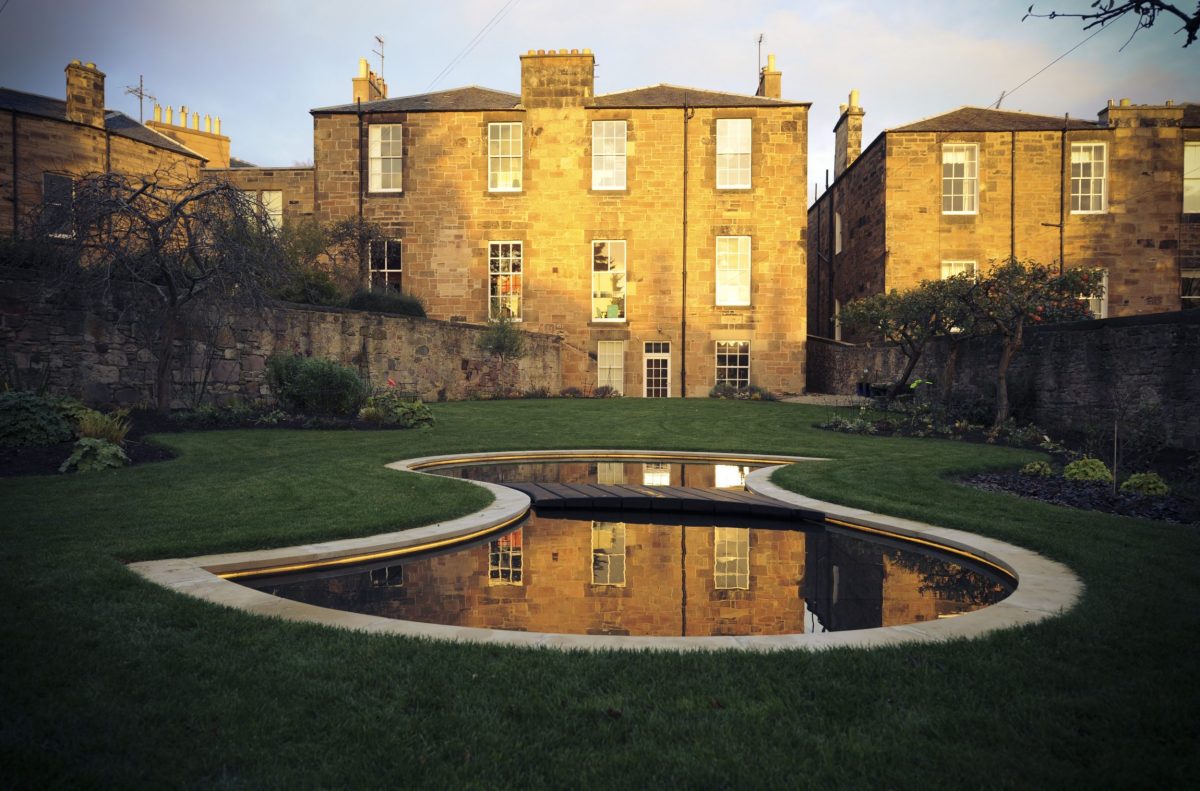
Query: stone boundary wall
point(1065, 378)
point(79, 349)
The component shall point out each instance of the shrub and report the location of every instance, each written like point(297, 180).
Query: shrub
point(316, 387)
point(384, 301)
point(1037, 469)
point(390, 409)
point(71, 408)
point(310, 285)
point(502, 339)
point(747, 393)
point(571, 392)
point(537, 392)
point(92, 454)
point(111, 427)
point(1087, 469)
point(27, 419)
point(606, 391)
point(1149, 483)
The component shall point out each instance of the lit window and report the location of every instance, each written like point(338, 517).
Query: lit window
point(837, 232)
point(733, 270)
point(504, 280)
point(386, 154)
point(504, 560)
point(733, 363)
point(608, 553)
point(272, 202)
point(1191, 178)
point(58, 205)
point(730, 476)
point(385, 264)
point(731, 563)
point(1190, 288)
point(960, 178)
point(1088, 193)
point(657, 360)
point(388, 577)
point(952, 268)
point(733, 153)
point(610, 356)
point(656, 474)
point(608, 155)
point(504, 157)
point(1098, 305)
point(608, 281)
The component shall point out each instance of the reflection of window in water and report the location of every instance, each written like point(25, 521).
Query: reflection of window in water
point(610, 472)
point(504, 560)
point(731, 565)
point(387, 577)
point(656, 474)
point(608, 553)
point(731, 476)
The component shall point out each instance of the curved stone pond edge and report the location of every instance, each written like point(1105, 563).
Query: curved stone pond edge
point(1044, 588)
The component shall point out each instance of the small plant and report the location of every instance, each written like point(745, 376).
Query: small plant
point(725, 390)
point(70, 408)
point(384, 301)
point(271, 417)
point(387, 407)
point(502, 339)
point(1088, 469)
point(606, 391)
point(316, 387)
point(537, 392)
point(1038, 469)
point(1148, 483)
point(92, 454)
point(28, 419)
point(573, 392)
point(111, 427)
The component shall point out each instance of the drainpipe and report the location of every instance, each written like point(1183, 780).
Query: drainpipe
point(1062, 196)
point(688, 112)
point(362, 256)
point(1012, 194)
point(12, 116)
point(831, 240)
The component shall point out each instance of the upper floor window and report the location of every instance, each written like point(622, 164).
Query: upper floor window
point(1191, 178)
point(733, 153)
point(58, 205)
point(505, 560)
point(952, 268)
point(960, 178)
point(837, 232)
point(1088, 178)
point(505, 157)
point(731, 558)
point(608, 155)
point(504, 280)
point(386, 157)
point(385, 264)
point(608, 280)
point(733, 270)
point(608, 553)
point(733, 363)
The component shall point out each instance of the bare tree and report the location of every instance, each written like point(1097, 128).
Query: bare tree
point(1146, 11)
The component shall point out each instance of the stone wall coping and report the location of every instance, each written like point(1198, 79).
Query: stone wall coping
point(1045, 588)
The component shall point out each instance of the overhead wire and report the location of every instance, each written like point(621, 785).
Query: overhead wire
point(1005, 94)
point(496, 19)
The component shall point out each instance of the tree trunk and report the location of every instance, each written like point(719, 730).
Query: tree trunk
point(1012, 344)
point(949, 371)
point(166, 356)
point(898, 385)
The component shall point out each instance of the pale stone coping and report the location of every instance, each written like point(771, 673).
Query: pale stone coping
point(1045, 588)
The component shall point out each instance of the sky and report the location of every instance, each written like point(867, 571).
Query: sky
point(262, 64)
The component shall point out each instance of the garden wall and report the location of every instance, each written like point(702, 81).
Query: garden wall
point(1065, 379)
point(75, 347)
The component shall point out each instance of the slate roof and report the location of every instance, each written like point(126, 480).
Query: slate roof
point(664, 95)
point(978, 119)
point(454, 100)
point(114, 121)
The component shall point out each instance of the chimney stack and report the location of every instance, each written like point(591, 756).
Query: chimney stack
point(770, 81)
point(566, 78)
point(85, 94)
point(368, 86)
point(847, 135)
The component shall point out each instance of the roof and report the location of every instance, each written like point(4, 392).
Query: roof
point(1191, 114)
point(664, 95)
point(979, 119)
point(454, 100)
point(114, 121)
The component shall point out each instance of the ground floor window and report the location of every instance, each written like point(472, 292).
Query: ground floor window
point(1098, 305)
point(1190, 291)
point(610, 358)
point(657, 358)
point(58, 205)
point(504, 280)
point(505, 560)
point(656, 474)
point(388, 577)
point(733, 363)
point(608, 553)
point(952, 268)
point(731, 564)
point(386, 264)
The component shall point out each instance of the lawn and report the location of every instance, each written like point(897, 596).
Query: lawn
point(109, 680)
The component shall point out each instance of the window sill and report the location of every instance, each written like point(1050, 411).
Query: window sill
point(745, 188)
point(960, 214)
point(383, 193)
point(505, 192)
point(1087, 213)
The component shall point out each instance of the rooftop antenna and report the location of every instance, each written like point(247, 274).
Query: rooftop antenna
point(760, 43)
point(140, 93)
point(1002, 95)
point(379, 52)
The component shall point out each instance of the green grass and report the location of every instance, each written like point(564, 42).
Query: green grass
point(109, 680)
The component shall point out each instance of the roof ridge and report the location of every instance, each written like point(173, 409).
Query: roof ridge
point(690, 88)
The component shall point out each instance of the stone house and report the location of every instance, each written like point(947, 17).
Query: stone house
point(658, 231)
point(957, 191)
point(46, 143)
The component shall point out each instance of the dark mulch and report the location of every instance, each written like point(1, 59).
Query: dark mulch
point(1088, 495)
point(45, 460)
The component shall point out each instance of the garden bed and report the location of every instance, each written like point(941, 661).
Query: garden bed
point(1086, 495)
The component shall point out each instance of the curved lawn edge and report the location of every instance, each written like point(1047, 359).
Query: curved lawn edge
point(1044, 589)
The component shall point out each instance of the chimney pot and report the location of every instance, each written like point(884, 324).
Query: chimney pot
point(207, 123)
point(854, 98)
point(170, 115)
point(1170, 103)
point(562, 52)
point(362, 67)
point(587, 52)
point(1125, 102)
point(90, 65)
point(1111, 102)
point(196, 121)
point(574, 52)
point(770, 63)
point(158, 113)
point(541, 52)
point(217, 127)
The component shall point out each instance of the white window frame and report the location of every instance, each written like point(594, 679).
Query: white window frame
point(385, 158)
point(1089, 171)
point(734, 153)
point(1187, 300)
point(388, 577)
point(380, 265)
point(656, 473)
point(730, 476)
point(64, 226)
point(610, 365)
point(506, 559)
point(506, 268)
point(1098, 306)
point(608, 554)
point(501, 152)
point(609, 145)
point(272, 203)
point(960, 185)
point(735, 372)
point(1191, 177)
point(656, 350)
point(607, 298)
point(733, 271)
point(952, 268)
point(731, 558)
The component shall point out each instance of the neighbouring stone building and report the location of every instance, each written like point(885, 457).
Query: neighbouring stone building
point(957, 191)
point(45, 144)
